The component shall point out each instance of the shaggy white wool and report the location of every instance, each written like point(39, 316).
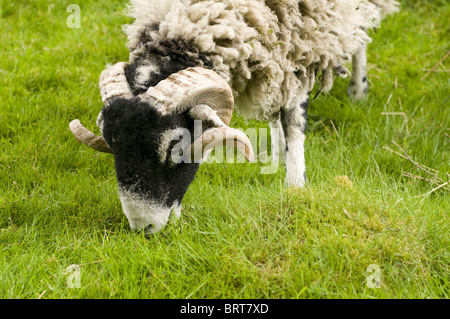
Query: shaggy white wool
point(265, 49)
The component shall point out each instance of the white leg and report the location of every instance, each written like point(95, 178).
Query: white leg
point(295, 163)
point(359, 85)
point(294, 121)
point(278, 142)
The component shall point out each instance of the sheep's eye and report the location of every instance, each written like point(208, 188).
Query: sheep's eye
point(174, 147)
point(175, 151)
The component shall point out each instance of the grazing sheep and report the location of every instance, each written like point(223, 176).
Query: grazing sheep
point(191, 60)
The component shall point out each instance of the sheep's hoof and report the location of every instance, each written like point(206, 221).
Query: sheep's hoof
point(357, 95)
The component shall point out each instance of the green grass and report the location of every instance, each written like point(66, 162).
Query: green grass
point(242, 235)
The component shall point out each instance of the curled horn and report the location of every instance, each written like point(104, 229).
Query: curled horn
point(113, 84)
point(218, 137)
point(83, 135)
point(191, 87)
point(198, 86)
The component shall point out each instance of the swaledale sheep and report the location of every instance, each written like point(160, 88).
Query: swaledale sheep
point(191, 60)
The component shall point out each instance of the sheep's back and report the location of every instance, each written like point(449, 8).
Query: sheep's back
point(267, 50)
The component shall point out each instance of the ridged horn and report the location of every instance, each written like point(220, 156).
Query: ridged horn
point(83, 135)
point(194, 86)
point(219, 137)
point(113, 83)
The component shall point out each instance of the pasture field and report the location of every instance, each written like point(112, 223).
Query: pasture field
point(241, 235)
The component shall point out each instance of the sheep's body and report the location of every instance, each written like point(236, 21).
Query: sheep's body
point(269, 51)
point(266, 50)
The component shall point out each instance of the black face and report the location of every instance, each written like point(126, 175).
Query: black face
point(133, 130)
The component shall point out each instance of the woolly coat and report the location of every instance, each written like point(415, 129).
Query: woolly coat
point(266, 49)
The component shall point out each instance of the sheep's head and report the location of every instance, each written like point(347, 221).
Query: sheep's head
point(156, 141)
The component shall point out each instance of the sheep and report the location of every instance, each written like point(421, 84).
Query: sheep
point(197, 61)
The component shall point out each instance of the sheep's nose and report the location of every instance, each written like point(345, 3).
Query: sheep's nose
point(148, 230)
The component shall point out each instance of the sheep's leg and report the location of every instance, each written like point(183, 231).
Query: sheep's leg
point(278, 142)
point(359, 86)
point(294, 121)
